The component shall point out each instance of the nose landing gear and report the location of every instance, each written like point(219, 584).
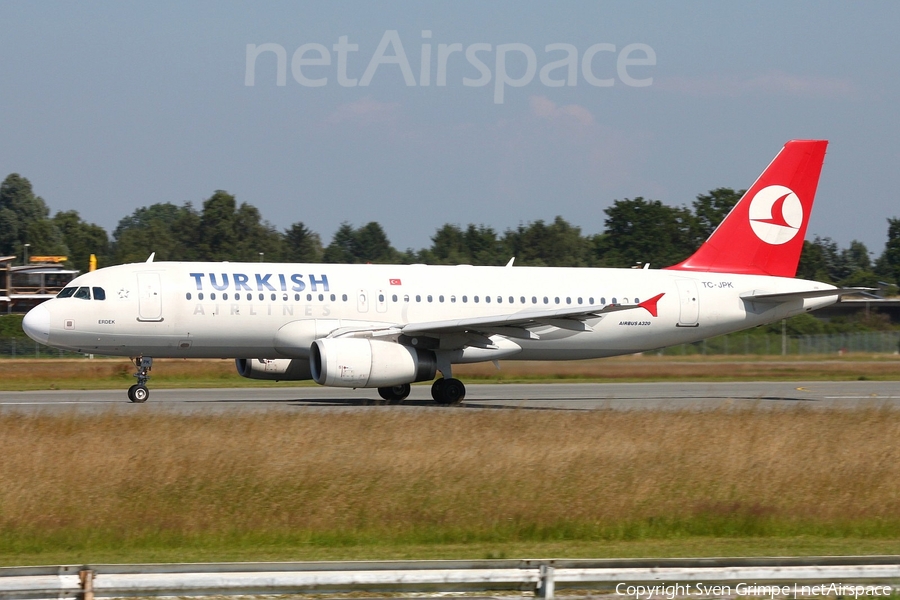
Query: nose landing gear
point(139, 393)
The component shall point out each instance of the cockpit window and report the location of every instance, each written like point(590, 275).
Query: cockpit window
point(99, 293)
point(84, 293)
point(66, 292)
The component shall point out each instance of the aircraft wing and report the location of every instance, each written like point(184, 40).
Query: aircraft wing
point(514, 325)
point(571, 318)
point(767, 298)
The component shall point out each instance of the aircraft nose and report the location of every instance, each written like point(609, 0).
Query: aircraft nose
point(37, 324)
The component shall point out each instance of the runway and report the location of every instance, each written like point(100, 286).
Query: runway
point(560, 396)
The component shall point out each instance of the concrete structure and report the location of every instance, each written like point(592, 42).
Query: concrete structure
point(25, 286)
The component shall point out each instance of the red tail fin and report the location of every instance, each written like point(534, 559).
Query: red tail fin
point(763, 234)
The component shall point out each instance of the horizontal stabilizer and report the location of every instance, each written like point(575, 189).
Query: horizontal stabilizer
point(768, 298)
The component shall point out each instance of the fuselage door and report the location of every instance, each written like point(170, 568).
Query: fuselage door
point(362, 301)
point(149, 297)
point(689, 315)
point(381, 301)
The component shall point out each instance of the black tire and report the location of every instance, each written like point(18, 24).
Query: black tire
point(453, 391)
point(436, 388)
point(131, 393)
point(139, 394)
point(394, 394)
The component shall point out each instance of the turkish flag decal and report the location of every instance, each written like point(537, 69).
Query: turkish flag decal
point(395, 282)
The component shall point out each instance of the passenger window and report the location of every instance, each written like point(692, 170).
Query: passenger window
point(381, 297)
point(475, 299)
point(394, 298)
point(534, 299)
point(465, 298)
point(418, 298)
point(406, 298)
point(333, 297)
point(579, 300)
point(603, 301)
point(522, 299)
point(429, 297)
point(83, 293)
point(441, 298)
point(99, 293)
point(486, 299)
point(225, 296)
point(66, 292)
point(556, 300)
point(309, 297)
point(344, 297)
point(187, 296)
point(453, 299)
point(568, 300)
point(212, 296)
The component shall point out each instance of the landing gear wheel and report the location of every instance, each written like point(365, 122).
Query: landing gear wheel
point(448, 391)
point(395, 393)
point(138, 393)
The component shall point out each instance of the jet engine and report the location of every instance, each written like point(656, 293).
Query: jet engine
point(366, 363)
point(279, 369)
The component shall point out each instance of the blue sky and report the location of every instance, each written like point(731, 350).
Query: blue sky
point(107, 107)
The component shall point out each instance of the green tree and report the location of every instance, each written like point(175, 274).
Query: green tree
point(82, 239)
point(367, 244)
point(888, 264)
point(711, 209)
point(641, 231)
point(556, 245)
point(235, 233)
point(166, 229)
point(24, 220)
point(302, 244)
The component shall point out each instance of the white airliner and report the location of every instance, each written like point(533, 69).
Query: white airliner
point(387, 326)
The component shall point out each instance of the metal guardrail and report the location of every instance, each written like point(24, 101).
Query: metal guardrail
point(637, 579)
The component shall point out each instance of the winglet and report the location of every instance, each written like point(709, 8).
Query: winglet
point(650, 304)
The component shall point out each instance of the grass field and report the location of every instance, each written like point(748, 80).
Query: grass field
point(107, 373)
point(417, 483)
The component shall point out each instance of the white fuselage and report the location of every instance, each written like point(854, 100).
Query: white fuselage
point(235, 310)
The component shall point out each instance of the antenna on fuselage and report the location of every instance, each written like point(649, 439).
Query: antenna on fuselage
point(511, 261)
point(150, 258)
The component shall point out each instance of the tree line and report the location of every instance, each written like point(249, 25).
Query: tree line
point(636, 231)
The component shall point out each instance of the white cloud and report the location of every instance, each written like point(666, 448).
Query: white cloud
point(364, 111)
point(543, 107)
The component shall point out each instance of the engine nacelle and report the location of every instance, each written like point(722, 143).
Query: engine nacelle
point(366, 363)
point(279, 369)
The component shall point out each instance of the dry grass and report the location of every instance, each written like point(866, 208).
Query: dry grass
point(423, 476)
point(107, 373)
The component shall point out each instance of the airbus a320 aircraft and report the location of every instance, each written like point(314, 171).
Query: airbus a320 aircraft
point(387, 326)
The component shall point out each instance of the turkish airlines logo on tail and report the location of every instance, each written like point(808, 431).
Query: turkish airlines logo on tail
point(776, 214)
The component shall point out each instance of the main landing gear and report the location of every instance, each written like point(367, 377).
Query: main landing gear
point(448, 391)
point(394, 394)
point(138, 392)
